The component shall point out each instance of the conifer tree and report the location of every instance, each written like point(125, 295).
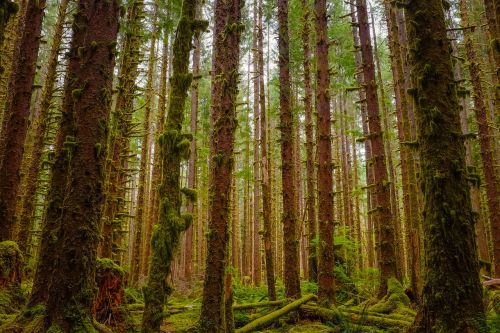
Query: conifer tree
point(452, 294)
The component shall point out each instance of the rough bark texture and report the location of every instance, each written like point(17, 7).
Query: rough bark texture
point(174, 148)
point(226, 51)
point(410, 204)
point(16, 115)
point(384, 223)
point(265, 170)
point(289, 192)
point(485, 135)
point(452, 294)
point(121, 128)
point(308, 109)
point(70, 236)
point(326, 261)
point(141, 214)
point(8, 9)
point(25, 220)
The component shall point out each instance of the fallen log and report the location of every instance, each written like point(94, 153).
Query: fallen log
point(337, 317)
point(257, 305)
point(394, 316)
point(273, 316)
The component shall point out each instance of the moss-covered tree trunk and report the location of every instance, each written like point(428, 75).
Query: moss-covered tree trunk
point(289, 191)
point(492, 13)
point(410, 204)
point(384, 222)
point(326, 260)
point(8, 9)
point(485, 135)
point(66, 268)
point(25, 219)
point(142, 192)
point(121, 128)
point(226, 51)
point(452, 293)
point(174, 148)
point(16, 115)
point(309, 129)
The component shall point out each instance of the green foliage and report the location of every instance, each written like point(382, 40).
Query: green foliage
point(107, 265)
point(191, 194)
point(10, 258)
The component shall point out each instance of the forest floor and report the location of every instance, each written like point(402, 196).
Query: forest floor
point(356, 310)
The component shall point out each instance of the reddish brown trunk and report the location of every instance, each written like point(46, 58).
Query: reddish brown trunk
point(291, 253)
point(382, 211)
point(66, 268)
point(25, 220)
point(485, 144)
point(224, 92)
point(310, 175)
point(16, 115)
point(326, 291)
point(265, 171)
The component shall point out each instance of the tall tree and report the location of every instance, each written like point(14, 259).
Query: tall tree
point(25, 219)
point(16, 114)
point(66, 268)
point(485, 134)
point(450, 249)
point(289, 192)
point(326, 260)
point(7, 11)
point(265, 170)
point(226, 51)
point(308, 108)
point(384, 223)
point(174, 148)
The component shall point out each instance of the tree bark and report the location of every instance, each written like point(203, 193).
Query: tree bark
point(289, 193)
point(450, 253)
point(226, 51)
point(174, 148)
point(66, 268)
point(384, 222)
point(16, 115)
point(326, 260)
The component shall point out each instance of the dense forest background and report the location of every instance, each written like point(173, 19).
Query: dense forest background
point(230, 166)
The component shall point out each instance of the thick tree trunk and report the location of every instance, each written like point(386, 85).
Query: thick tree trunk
point(485, 144)
point(174, 148)
point(8, 9)
point(326, 261)
point(450, 249)
point(384, 222)
point(226, 51)
point(291, 253)
point(66, 268)
point(16, 114)
point(25, 220)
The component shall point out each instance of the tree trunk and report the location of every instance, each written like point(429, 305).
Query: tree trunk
point(121, 128)
point(226, 51)
point(384, 222)
point(326, 291)
point(16, 114)
point(25, 220)
point(66, 268)
point(486, 148)
point(174, 148)
point(308, 108)
point(289, 193)
point(256, 262)
point(8, 10)
point(265, 171)
point(141, 212)
point(450, 257)
point(192, 170)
